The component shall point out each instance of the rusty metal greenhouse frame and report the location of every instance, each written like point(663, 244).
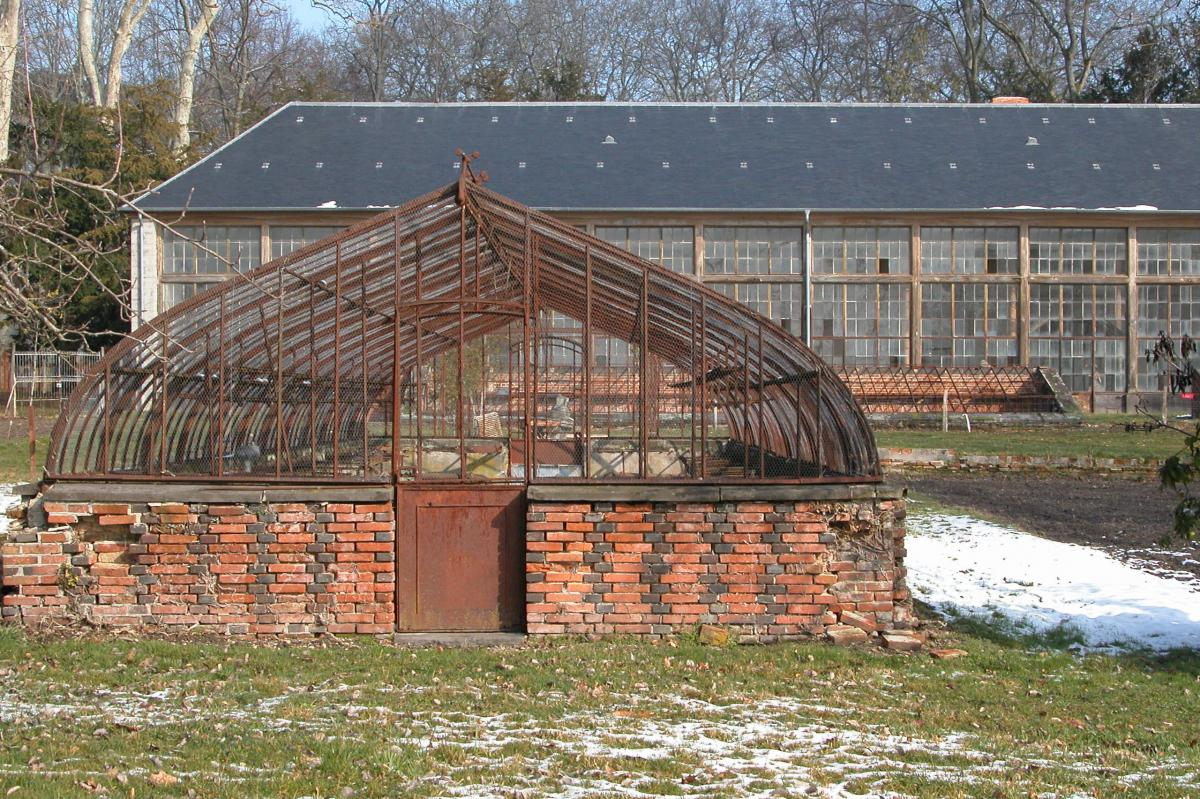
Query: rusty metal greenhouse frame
point(455, 339)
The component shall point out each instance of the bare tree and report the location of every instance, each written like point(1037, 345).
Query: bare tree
point(712, 50)
point(1082, 35)
point(196, 23)
point(254, 54)
point(812, 49)
point(10, 26)
point(967, 36)
point(108, 93)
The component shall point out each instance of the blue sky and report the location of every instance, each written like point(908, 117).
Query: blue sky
point(309, 17)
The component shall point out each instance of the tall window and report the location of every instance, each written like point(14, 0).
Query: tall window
point(1174, 310)
point(205, 254)
point(861, 323)
point(753, 250)
point(672, 247)
point(1080, 331)
point(211, 249)
point(286, 239)
point(1168, 251)
point(967, 324)
point(970, 250)
point(1077, 251)
point(862, 250)
point(782, 303)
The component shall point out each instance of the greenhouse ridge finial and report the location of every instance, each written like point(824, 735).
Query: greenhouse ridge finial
point(465, 172)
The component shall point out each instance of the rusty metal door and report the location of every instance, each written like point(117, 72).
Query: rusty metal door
point(460, 558)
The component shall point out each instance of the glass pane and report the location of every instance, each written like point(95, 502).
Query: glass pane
point(286, 239)
point(210, 249)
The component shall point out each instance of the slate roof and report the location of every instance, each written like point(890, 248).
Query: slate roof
point(553, 156)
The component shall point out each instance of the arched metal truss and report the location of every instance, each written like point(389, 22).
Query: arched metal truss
point(460, 337)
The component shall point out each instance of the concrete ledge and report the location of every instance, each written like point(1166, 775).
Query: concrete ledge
point(641, 492)
point(72, 491)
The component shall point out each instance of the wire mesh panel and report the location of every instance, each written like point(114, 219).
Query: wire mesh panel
point(463, 337)
point(39, 376)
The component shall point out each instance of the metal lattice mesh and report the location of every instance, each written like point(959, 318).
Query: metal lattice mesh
point(462, 336)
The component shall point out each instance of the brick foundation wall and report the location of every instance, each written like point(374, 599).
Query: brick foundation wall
point(767, 562)
point(770, 569)
point(238, 568)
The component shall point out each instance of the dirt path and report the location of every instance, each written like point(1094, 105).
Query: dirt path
point(1126, 517)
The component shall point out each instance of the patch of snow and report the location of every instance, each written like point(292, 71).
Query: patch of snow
point(972, 567)
point(7, 500)
point(330, 204)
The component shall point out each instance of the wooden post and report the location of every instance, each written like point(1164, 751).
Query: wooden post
point(1163, 384)
point(1131, 316)
point(914, 316)
point(1023, 297)
point(945, 410)
point(32, 444)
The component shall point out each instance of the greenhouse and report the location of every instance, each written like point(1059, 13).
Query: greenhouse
point(464, 415)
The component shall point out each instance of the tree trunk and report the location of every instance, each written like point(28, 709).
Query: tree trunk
point(87, 47)
point(131, 14)
point(187, 73)
point(10, 15)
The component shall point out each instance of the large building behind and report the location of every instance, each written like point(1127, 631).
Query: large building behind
point(893, 235)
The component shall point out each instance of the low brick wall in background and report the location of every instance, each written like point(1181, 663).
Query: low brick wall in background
point(243, 568)
point(773, 562)
point(894, 459)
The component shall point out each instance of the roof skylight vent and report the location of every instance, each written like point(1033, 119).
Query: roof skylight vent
point(320, 165)
point(1166, 120)
point(299, 119)
point(1096, 166)
point(808, 164)
point(1031, 141)
point(217, 165)
point(457, 164)
point(1029, 165)
point(495, 119)
point(887, 164)
point(379, 165)
point(666, 164)
point(1045, 120)
point(908, 120)
point(420, 120)
point(1157, 166)
point(770, 120)
point(713, 120)
point(744, 165)
point(983, 120)
point(953, 165)
point(362, 119)
point(833, 120)
point(609, 140)
point(632, 118)
point(570, 119)
point(266, 164)
point(520, 165)
point(599, 165)
point(1091, 120)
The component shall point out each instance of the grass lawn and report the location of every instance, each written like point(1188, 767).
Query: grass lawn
point(14, 459)
point(1098, 436)
point(574, 718)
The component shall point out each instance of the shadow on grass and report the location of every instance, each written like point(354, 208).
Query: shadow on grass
point(1004, 632)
